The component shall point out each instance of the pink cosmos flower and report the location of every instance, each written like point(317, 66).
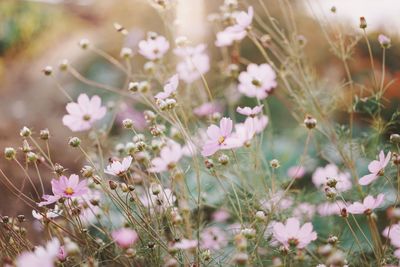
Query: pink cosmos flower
point(83, 114)
point(331, 208)
point(119, 168)
point(220, 215)
point(169, 157)
point(195, 63)
point(65, 187)
point(322, 174)
point(304, 211)
point(376, 168)
point(278, 201)
point(207, 109)
point(259, 122)
point(393, 233)
point(244, 133)
point(251, 112)
point(169, 88)
point(213, 238)
point(296, 172)
point(219, 138)
point(368, 205)
point(291, 234)
point(41, 257)
point(186, 244)
point(125, 237)
point(154, 47)
point(258, 81)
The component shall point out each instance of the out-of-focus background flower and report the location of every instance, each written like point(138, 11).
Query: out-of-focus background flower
point(37, 33)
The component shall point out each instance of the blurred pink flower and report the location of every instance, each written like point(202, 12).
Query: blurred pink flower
point(213, 238)
point(278, 201)
point(376, 168)
point(331, 208)
point(195, 62)
point(368, 205)
point(251, 112)
point(186, 244)
point(41, 256)
point(304, 211)
point(208, 108)
point(65, 187)
point(125, 237)
point(159, 202)
point(296, 172)
point(62, 254)
point(258, 81)
point(322, 174)
point(220, 215)
point(169, 157)
point(154, 47)
point(169, 88)
point(219, 137)
point(119, 168)
point(291, 234)
point(259, 123)
point(244, 132)
point(393, 233)
point(83, 114)
point(128, 112)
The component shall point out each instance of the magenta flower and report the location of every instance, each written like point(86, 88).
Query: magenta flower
point(296, 172)
point(368, 205)
point(376, 168)
point(65, 187)
point(125, 237)
point(83, 114)
point(258, 81)
point(169, 157)
point(251, 112)
point(195, 62)
point(322, 174)
point(154, 47)
point(207, 109)
point(119, 168)
point(169, 88)
point(291, 234)
point(41, 257)
point(219, 138)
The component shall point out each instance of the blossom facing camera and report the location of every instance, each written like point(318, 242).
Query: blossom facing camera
point(125, 237)
point(169, 157)
point(154, 47)
point(65, 188)
point(118, 168)
point(257, 81)
point(42, 256)
point(292, 235)
point(367, 206)
point(84, 113)
point(376, 168)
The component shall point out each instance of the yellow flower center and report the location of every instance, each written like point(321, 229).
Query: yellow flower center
point(86, 117)
point(221, 140)
point(69, 191)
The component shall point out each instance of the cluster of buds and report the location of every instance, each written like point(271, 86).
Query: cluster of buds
point(141, 87)
point(166, 104)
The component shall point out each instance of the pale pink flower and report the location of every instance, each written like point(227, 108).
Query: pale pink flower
point(369, 204)
point(278, 202)
point(291, 234)
point(258, 81)
point(186, 244)
point(195, 63)
point(219, 137)
point(220, 215)
point(244, 133)
point(128, 112)
point(41, 256)
point(169, 88)
point(83, 114)
point(304, 211)
point(244, 19)
point(393, 233)
point(125, 237)
point(213, 238)
point(65, 187)
point(259, 123)
point(331, 208)
point(376, 168)
point(322, 174)
point(169, 157)
point(296, 172)
point(118, 168)
point(251, 112)
point(154, 47)
point(207, 109)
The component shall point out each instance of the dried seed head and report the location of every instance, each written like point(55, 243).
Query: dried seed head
point(127, 123)
point(9, 153)
point(25, 132)
point(74, 141)
point(395, 138)
point(44, 134)
point(21, 218)
point(209, 163)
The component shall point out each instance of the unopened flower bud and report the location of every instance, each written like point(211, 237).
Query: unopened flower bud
point(344, 213)
point(26, 147)
point(5, 219)
point(332, 239)
point(149, 116)
point(44, 134)
point(310, 122)
point(181, 41)
point(25, 132)
point(330, 193)
point(59, 169)
point(333, 9)
point(162, 104)
point(396, 159)
point(48, 70)
point(249, 233)
point(113, 185)
point(241, 258)
point(395, 138)
point(266, 40)
point(124, 187)
point(233, 71)
point(223, 159)
point(260, 215)
point(127, 123)
point(216, 116)
point(331, 182)
point(74, 141)
point(84, 43)
point(149, 67)
point(144, 87)
point(209, 163)
point(171, 103)
point(384, 41)
point(21, 218)
point(206, 255)
point(240, 242)
point(120, 28)
point(155, 189)
point(274, 164)
point(130, 253)
point(126, 53)
point(63, 66)
point(9, 153)
point(133, 87)
point(283, 250)
point(87, 171)
point(363, 23)
point(32, 157)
